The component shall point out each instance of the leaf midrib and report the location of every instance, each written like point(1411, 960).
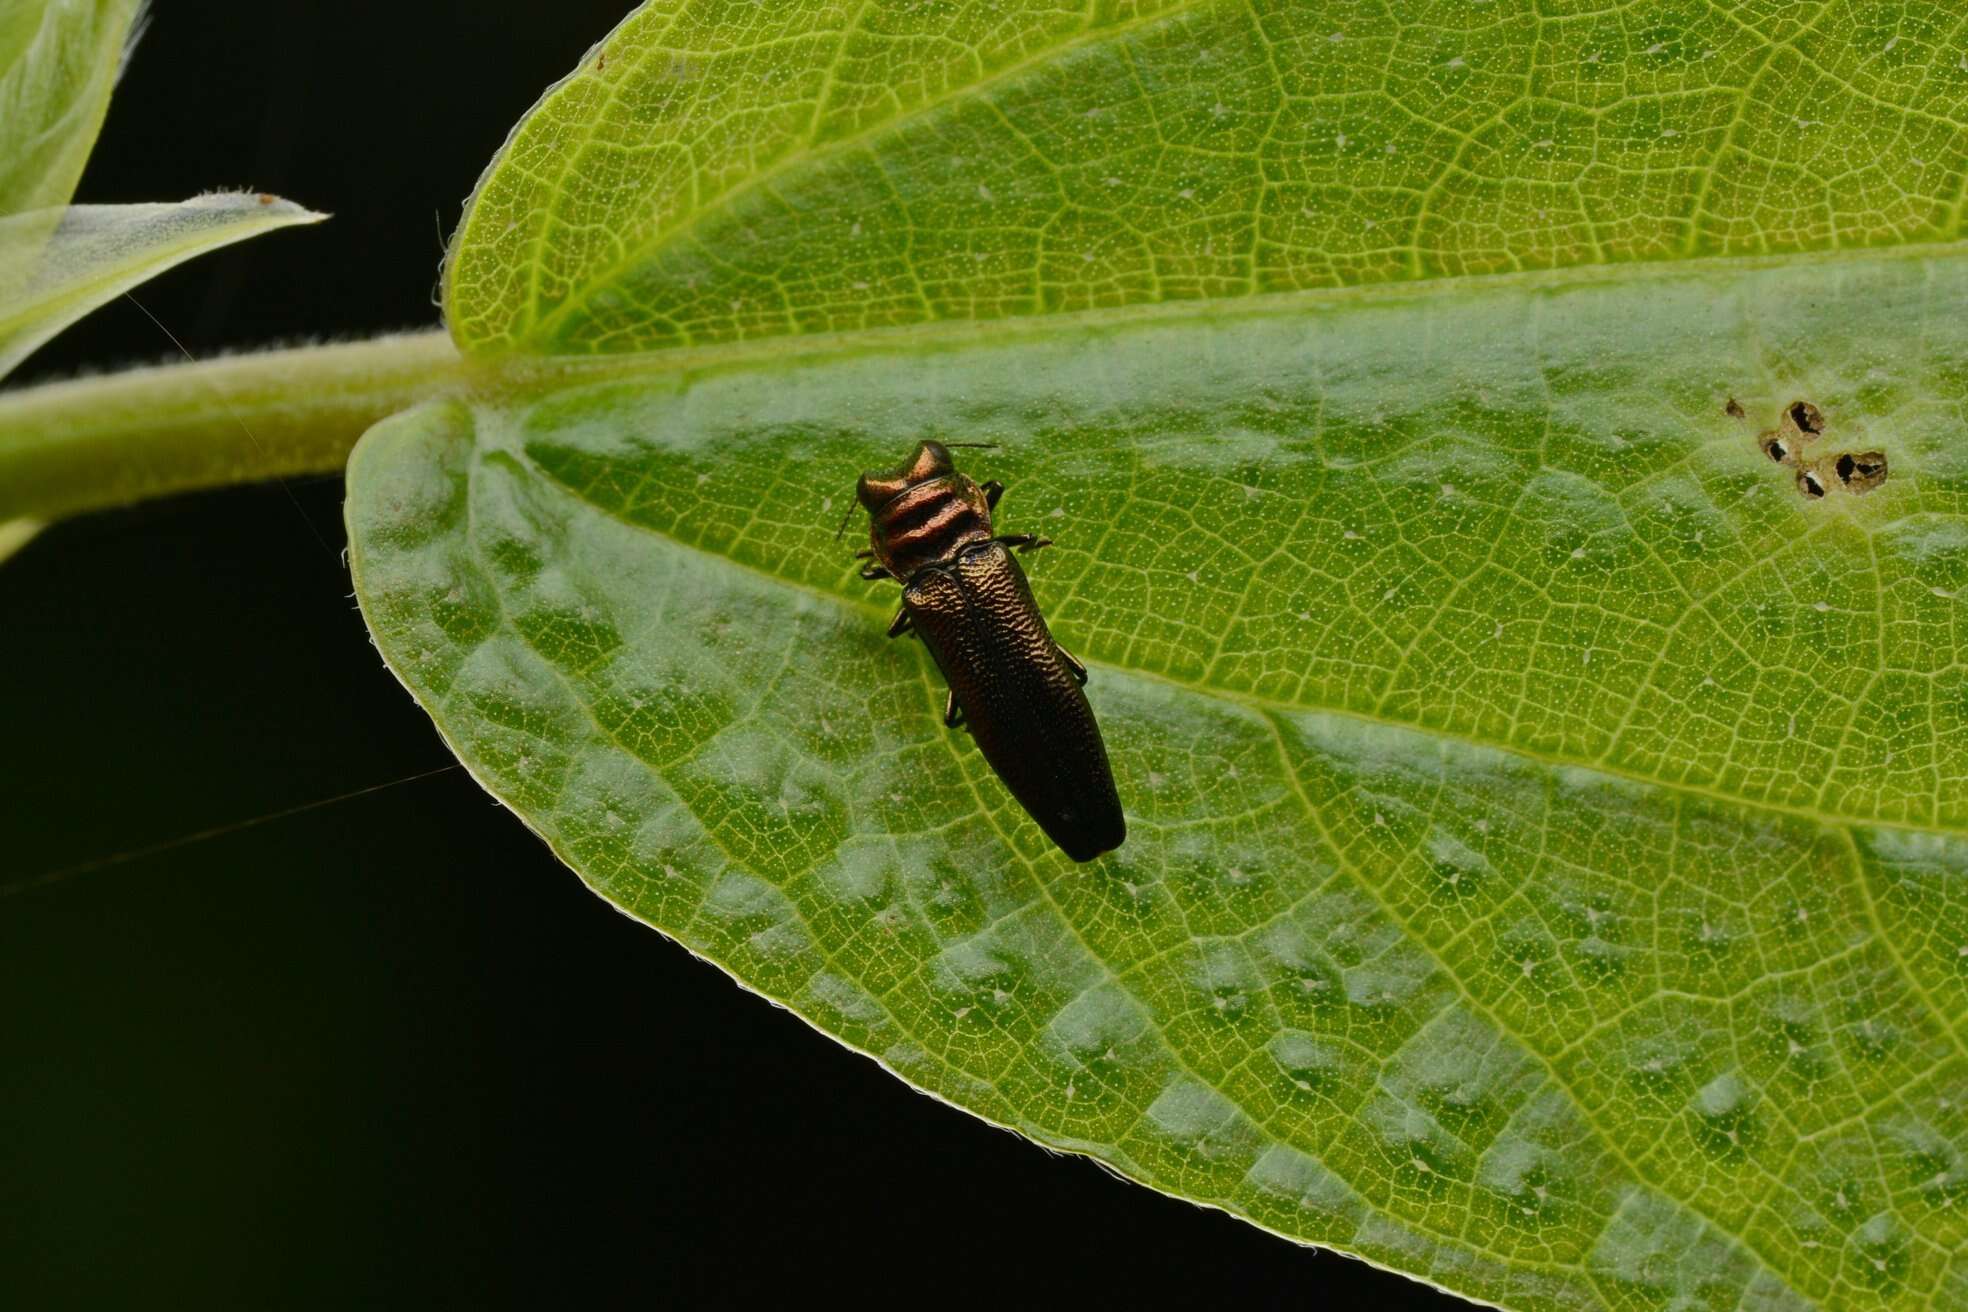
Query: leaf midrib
point(515, 373)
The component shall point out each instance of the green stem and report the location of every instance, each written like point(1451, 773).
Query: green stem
point(98, 442)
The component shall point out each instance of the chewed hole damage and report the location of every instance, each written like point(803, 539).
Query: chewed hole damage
point(1734, 409)
point(1860, 471)
point(1800, 424)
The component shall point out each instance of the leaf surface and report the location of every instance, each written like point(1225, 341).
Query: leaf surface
point(1548, 856)
point(65, 264)
point(15, 534)
point(712, 172)
point(58, 63)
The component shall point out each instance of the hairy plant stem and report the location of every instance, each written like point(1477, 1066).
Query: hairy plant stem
point(94, 443)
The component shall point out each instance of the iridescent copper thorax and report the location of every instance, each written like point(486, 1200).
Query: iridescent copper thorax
point(923, 513)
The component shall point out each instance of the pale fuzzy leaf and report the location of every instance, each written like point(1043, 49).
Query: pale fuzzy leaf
point(96, 252)
point(59, 60)
point(715, 172)
point(1547, 869)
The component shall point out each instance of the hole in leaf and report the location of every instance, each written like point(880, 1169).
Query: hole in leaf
point(1810, 484)
point(1733, 409)
point(1861, 471)
point(1776, 448)
point(1806, 418)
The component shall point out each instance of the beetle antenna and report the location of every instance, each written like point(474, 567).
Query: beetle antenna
point(844, 518)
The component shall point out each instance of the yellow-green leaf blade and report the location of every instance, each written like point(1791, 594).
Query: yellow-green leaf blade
point(15, 534)
point(820, 167)
point(1546, 825)
point(58, 64)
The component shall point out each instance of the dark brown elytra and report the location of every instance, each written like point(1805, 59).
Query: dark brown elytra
point(966, 596)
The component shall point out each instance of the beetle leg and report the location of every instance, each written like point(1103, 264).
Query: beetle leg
point(901, 624)
point(1079, 670)
point(1023, 541)
point(953, 716)
point(874, 572)
point(992, 491)
point(865, 554)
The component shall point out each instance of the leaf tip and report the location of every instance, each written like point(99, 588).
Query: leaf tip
point(263, 202)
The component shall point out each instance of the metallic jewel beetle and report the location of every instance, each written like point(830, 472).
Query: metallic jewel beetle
point(966, 596)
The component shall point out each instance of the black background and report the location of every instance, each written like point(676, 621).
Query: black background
point(387, 1050)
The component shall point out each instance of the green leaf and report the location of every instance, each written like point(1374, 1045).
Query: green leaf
point(17, 533)
point(1548, 858)
point(58, 63)
point(59, 60)
point(94, 253)
point(713, 173)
